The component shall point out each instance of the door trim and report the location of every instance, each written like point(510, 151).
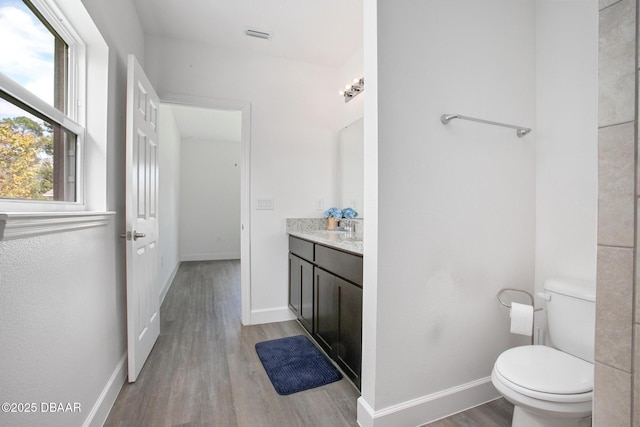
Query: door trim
point(245, 183)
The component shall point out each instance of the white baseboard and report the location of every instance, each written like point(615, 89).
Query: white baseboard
point(428, 408)
point(271, 315)
point(217, 256)
point(167, 285)
point(107, 398)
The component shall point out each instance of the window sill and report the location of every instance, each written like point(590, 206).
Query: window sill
point(19, 225)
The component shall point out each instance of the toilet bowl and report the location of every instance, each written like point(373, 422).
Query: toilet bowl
point(548, 387)
point(552, 386)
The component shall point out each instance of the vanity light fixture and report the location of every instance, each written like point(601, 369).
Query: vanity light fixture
point(352, 90)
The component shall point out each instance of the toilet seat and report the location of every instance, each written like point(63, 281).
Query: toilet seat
point(545, 373)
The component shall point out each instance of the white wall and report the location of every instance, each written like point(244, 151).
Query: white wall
point(456, 203)
point(566, 139)
point(367, 402)
point(293, 142)
point(62, 311)
point(169, 199)
point(210, 200)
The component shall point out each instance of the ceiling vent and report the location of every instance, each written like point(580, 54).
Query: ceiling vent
point(258, 33)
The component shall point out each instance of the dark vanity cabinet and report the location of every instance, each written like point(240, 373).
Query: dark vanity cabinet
point(301, 282)
point(336, 304)
point(339, 321)
point(326, 311)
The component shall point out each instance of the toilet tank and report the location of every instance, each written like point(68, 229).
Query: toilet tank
point(571, 316)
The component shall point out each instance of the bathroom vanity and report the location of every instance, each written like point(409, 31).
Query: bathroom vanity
point(325, 293)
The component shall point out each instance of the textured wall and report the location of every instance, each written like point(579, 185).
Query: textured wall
point(615, 398)
point(60, 334)
point(210, 200)
point(169, 203)
point(566, 141)
point(456, 203)
point(293, 142)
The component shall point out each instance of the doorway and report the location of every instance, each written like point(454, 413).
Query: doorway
point(215, 135)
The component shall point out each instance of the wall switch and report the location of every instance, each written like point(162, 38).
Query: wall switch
point(265, 203)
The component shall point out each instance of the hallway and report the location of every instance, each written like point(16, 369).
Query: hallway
point(204, 371)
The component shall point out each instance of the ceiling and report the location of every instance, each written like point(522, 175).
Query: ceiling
point(323, 32)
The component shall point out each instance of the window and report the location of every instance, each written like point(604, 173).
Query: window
point(40, 134)
point(54, 97)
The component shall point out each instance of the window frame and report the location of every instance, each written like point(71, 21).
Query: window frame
point(20, 219)
point(74, 120)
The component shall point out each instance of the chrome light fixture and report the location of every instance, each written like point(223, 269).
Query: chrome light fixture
point(352, 90)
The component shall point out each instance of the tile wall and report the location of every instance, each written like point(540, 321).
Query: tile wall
point(617, 355)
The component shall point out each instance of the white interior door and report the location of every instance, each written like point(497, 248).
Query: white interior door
point(143, 305)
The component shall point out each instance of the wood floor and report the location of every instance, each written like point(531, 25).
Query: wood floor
point(204, 371)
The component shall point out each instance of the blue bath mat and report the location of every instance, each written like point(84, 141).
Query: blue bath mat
point(294, 364)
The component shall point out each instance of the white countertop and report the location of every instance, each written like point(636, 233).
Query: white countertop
point(342, 240)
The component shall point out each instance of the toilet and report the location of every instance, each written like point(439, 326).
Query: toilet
point(552, 386)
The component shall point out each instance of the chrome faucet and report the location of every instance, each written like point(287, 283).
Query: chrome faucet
point(348, 225)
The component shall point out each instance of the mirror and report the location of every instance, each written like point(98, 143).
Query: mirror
point(351, 167)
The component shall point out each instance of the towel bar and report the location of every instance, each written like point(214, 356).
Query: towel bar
point(520, 130)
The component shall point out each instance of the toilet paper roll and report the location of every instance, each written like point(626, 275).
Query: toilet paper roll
point(521, 319)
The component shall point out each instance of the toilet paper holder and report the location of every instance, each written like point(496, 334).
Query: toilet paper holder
point(508, 305)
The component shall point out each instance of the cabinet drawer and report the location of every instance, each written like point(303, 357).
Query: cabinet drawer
point(340, 263)
point(302, 248)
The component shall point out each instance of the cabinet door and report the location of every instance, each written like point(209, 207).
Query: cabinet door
point(326, 302)
point(350, 329)
point(294, 283)
point(305, 315)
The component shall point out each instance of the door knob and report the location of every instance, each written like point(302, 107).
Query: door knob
point(129, 235)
